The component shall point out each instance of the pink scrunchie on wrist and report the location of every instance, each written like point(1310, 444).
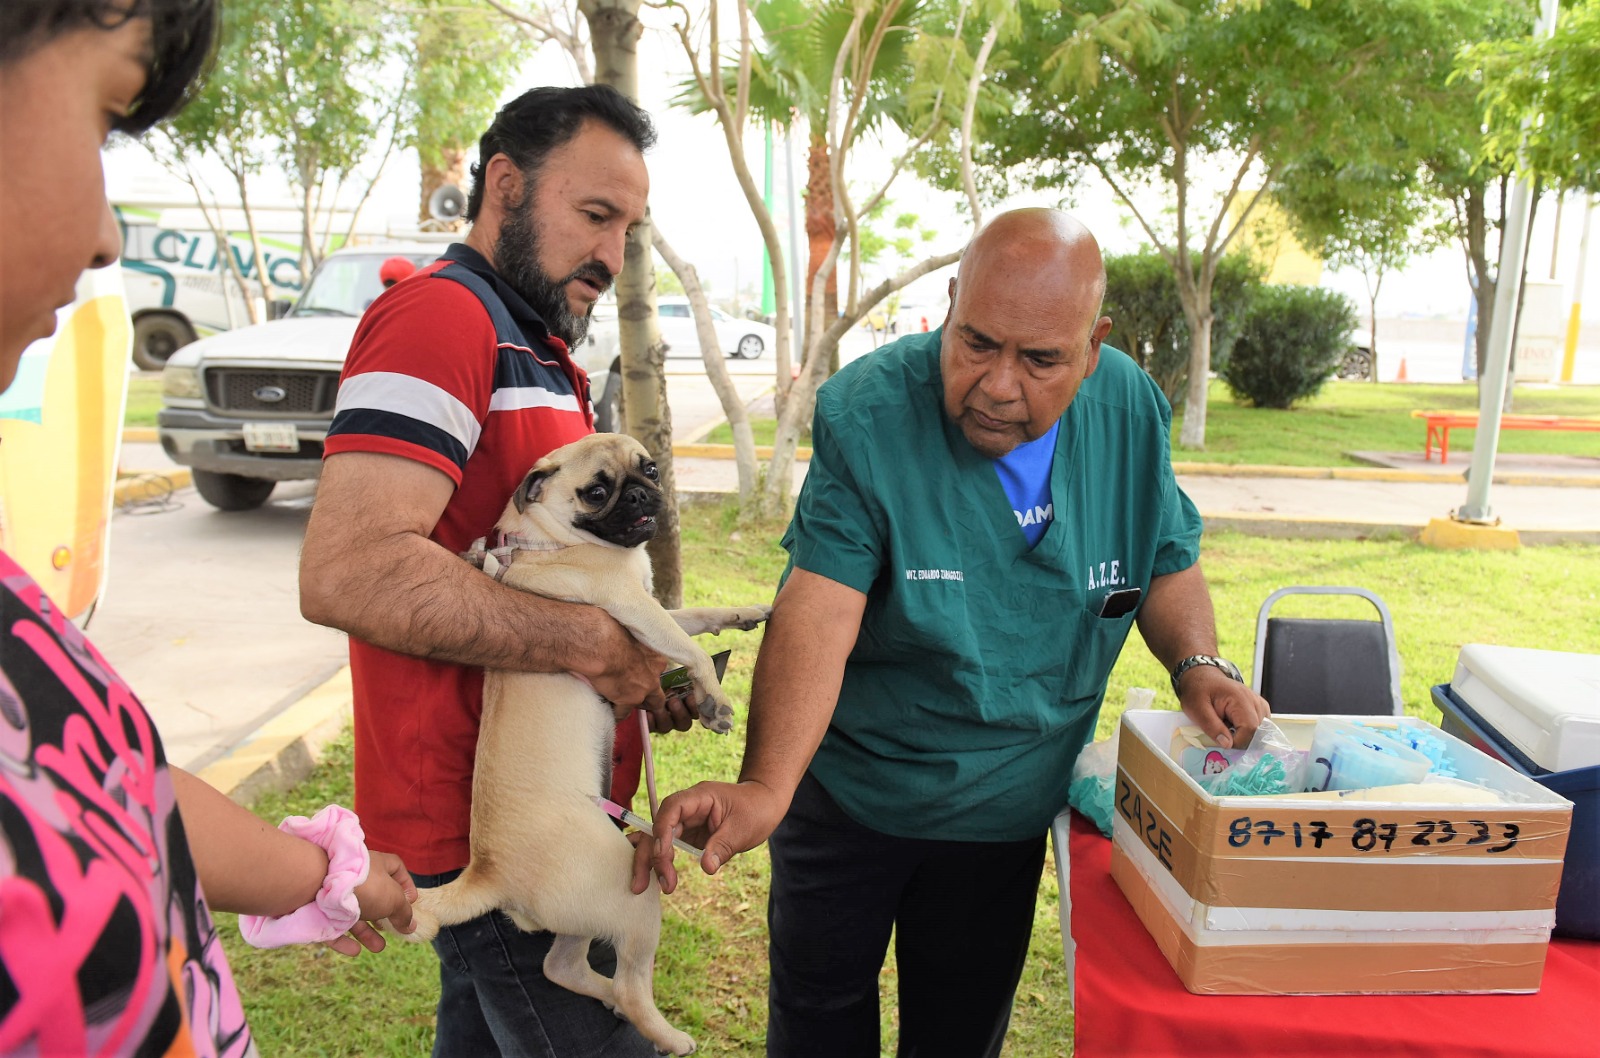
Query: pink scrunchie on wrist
point(335, 909)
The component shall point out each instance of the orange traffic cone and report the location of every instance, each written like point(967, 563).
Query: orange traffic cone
point(1401, 377)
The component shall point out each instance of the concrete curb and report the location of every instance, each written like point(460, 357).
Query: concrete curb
point(1312, 528)
point(1393, 474)
point(284, 750)
point(136, 486)
point(702, 450)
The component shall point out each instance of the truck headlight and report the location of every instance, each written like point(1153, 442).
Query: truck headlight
point(180, 382)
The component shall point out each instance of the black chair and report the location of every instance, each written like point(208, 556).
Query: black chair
point(1327, 665)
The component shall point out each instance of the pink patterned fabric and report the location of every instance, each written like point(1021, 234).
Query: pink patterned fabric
point(106, 944)
point(335, 909)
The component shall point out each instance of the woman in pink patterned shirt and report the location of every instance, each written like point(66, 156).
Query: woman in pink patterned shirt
point(109, 859)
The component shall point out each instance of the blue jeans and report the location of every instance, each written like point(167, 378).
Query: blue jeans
point(494, 999)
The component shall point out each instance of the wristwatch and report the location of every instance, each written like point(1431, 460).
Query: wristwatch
point(1228, 667)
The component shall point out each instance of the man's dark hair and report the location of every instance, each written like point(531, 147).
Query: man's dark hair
point(538, 121)
point(182, 33)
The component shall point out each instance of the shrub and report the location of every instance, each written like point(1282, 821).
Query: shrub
point(1147, 316)
point(1292, 341)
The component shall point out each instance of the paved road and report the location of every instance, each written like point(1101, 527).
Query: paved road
point(201, 616)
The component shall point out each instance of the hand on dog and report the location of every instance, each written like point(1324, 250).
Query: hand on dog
point(722, 818)
point(622, 670)
point(388, 893)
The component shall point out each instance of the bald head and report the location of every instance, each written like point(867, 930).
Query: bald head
point(1051, 247)
point(1024, 327)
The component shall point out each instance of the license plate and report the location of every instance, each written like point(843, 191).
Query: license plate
point(271, 437)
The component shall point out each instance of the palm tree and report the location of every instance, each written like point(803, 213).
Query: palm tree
point(789, 83)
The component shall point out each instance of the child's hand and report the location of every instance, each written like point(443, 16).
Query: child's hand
point(388, 893)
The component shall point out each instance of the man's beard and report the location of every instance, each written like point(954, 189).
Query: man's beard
point(516, 258)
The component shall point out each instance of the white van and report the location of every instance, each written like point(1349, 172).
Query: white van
point(179, 285)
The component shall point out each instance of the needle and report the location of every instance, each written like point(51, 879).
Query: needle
point(639, 822)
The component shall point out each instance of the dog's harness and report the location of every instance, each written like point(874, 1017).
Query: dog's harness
point(494, 560)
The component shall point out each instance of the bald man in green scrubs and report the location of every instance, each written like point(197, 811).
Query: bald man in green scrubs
point(988, 510)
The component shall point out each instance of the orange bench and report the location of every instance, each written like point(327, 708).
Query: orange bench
point(1440, 424)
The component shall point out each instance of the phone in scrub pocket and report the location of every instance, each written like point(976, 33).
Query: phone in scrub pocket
point(677, 681)
point(1120, 603)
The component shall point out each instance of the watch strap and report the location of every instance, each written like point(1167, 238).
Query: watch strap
point(1228, 668)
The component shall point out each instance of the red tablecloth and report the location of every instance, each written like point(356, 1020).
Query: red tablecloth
point(1130, 1002)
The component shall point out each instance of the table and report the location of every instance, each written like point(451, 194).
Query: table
point(1440, 423)
point(1128, 1001)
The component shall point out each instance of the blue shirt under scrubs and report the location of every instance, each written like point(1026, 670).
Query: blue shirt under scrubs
point(981, 661)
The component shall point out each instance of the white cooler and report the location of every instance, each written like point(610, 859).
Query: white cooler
point(1544, 704)
point(1539, 711)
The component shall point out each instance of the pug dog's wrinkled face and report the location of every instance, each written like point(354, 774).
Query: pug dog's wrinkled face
point(605, 485)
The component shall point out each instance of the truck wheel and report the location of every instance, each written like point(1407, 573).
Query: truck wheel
point(156, 336)
point(608, 411)
point(231, 492)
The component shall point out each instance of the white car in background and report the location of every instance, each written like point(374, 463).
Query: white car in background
point(745, 339)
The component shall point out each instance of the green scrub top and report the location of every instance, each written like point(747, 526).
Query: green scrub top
point(979, 669)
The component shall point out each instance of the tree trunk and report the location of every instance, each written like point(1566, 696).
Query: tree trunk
point(820, 223)
point(614, 31)
point(1193, 433)
point(1483, 283)
point(257, 255)
point(744, 443)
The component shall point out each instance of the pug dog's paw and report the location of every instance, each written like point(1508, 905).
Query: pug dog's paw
point(745, 618)
point(716, 712)
point(675, 1042)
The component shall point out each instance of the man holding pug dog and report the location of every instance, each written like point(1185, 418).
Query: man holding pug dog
point(989, 508)
point(457, 382)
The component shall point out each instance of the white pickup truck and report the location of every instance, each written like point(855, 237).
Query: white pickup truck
point(248, 408)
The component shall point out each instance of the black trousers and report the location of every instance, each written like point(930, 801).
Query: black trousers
point(961, 913)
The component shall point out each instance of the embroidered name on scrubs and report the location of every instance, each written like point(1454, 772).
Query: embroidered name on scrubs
point(1025, 475)
point(1106, 575)
point(935, 574)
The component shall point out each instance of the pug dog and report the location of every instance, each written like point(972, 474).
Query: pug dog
point(541, 849)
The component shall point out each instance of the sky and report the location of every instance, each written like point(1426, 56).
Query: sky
point(699, 207)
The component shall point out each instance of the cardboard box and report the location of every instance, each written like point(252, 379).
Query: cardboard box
point(1278, 896)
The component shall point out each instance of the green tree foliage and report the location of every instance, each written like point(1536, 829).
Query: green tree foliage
point(1541, 100)
point(1291, 343)
point(464, 58)
point(1247, 87)
point(790, 77)
point(1366, 215)
point(1444, 126)
point(295, 86)
point(1147, 320)
point(317, 66)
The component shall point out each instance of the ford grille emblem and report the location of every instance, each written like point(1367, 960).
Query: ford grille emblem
point(270, 394)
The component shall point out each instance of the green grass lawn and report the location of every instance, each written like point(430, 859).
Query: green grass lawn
point(711, 970)
point(144, 400)
point(1350, 417)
